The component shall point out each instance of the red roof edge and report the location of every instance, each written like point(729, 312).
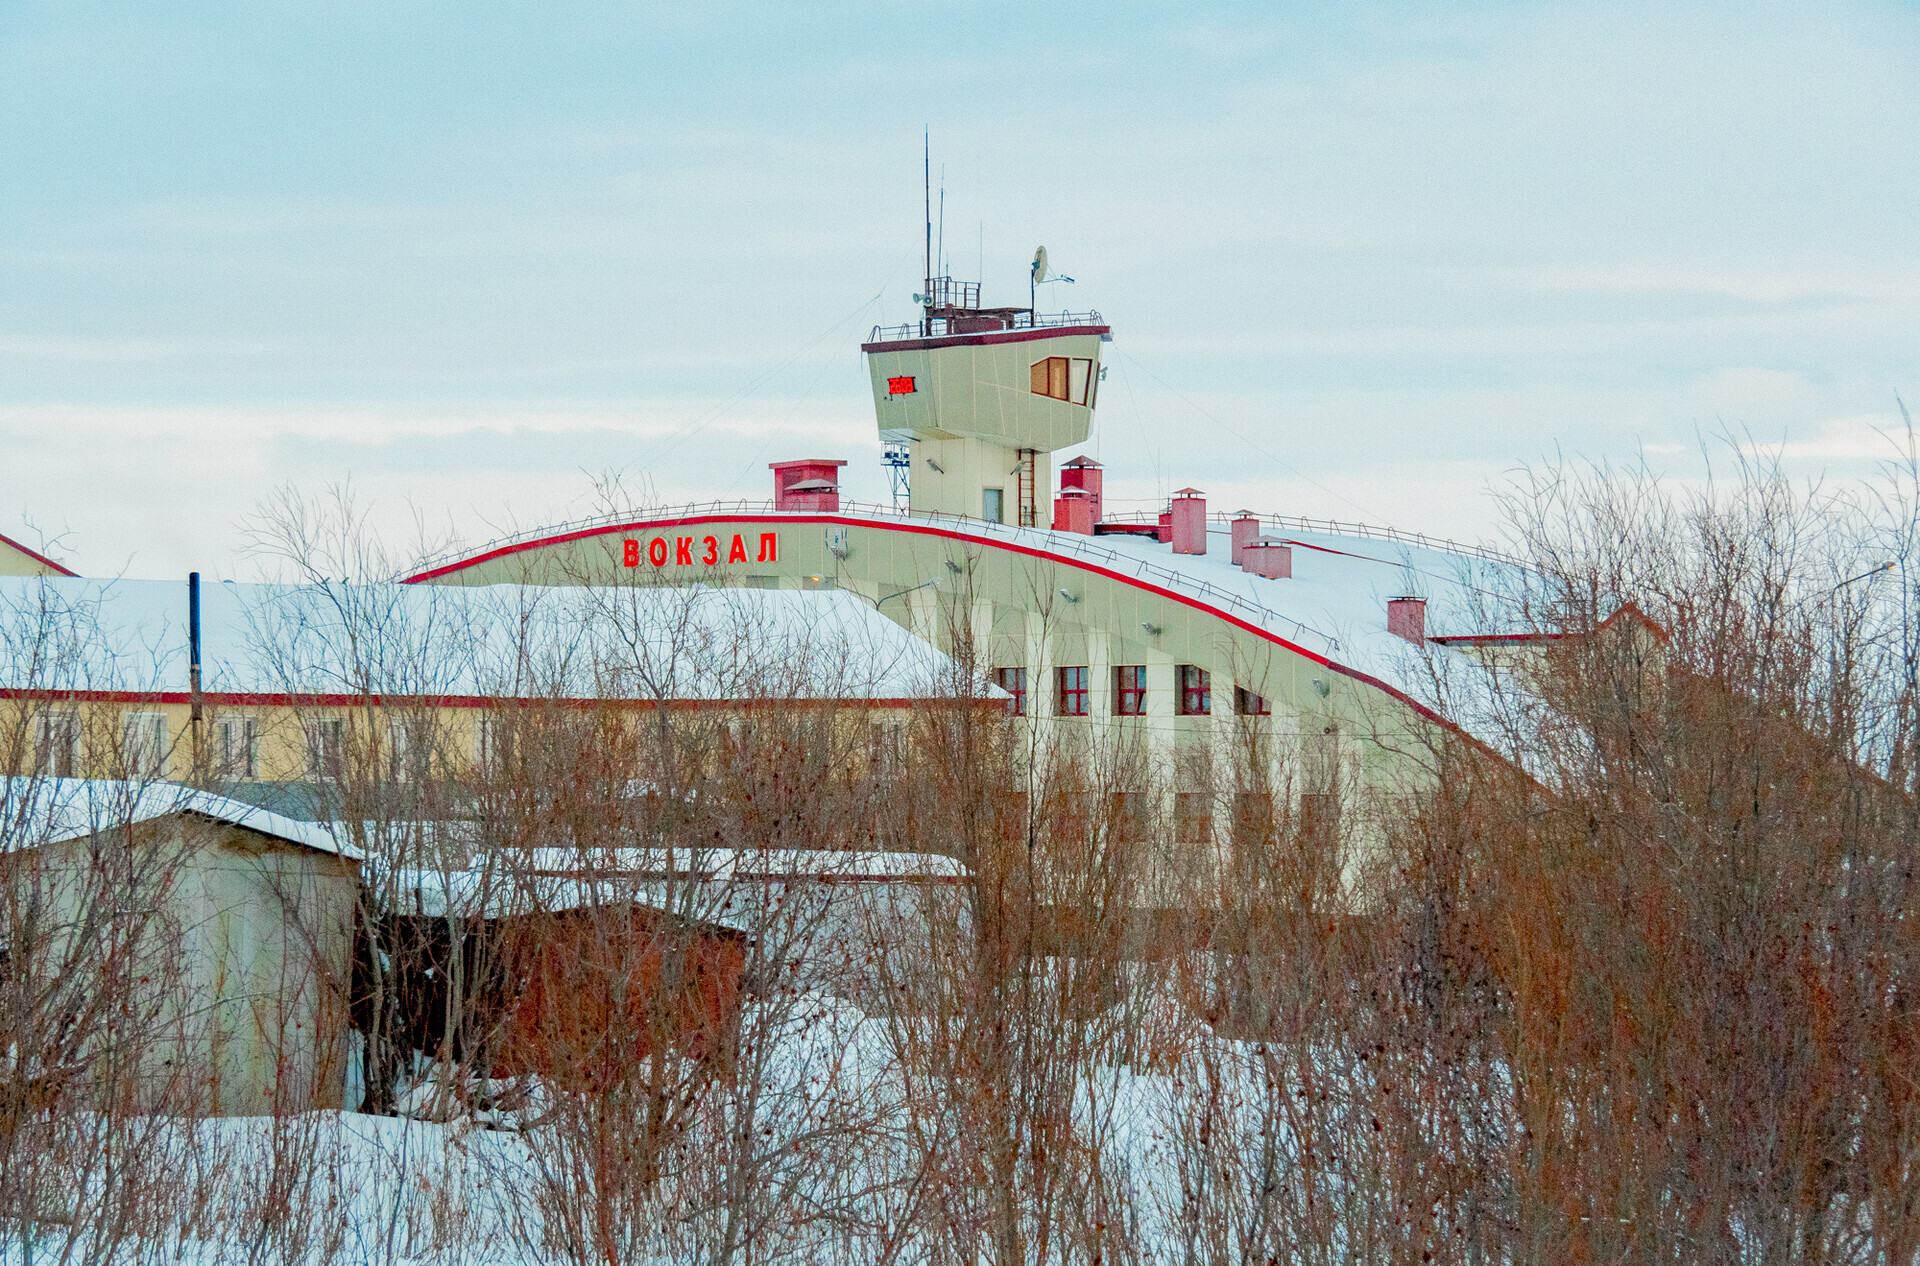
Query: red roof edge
point(37, 556)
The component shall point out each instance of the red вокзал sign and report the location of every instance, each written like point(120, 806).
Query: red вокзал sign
point(698, 551)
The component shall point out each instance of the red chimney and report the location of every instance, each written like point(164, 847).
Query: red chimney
point(1265, 556)
point(1083, 473)
point(1073, 511)
point(1407, 617)
point(1246, 527)
point(1189, 511)
point(811, 484)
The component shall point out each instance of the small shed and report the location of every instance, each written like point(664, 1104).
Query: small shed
point(196, 950)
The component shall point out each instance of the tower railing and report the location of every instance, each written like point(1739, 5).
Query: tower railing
point(943, 326)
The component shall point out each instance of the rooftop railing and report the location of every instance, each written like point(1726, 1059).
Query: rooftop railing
point(1336, 527)
point(941, 327)
point(1063, 544)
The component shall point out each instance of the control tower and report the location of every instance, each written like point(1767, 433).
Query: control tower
point(982, 397)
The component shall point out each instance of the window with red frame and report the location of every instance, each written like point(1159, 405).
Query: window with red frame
point(1196, 691)
point(1014, 682)
point(1248, 704)
point(1130, 690)
point(1073, 691)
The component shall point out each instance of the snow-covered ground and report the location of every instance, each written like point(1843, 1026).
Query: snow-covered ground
point(837, 1166)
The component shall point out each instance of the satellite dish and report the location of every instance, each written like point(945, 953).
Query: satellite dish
point(1040, 265)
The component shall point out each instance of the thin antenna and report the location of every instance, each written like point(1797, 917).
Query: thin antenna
point(945, 268)
point(926, 140)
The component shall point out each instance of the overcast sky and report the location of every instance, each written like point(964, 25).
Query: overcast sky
point(1358, 265)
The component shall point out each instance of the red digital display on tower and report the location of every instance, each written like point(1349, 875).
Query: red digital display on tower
point(900, 386)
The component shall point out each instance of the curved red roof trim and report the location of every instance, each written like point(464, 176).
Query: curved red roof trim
point(37, 556)
point(927, 530)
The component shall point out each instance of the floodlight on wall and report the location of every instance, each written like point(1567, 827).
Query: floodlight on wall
point(1069, 595)
point(954, 567)
point(936, 466)
point(1153, 630)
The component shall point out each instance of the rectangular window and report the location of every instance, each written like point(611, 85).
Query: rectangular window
point(1073, 691)
point(325, 744)
point(1127, 816)
point(1062, 378)
point(1318, 823)
point(143, 744)
point(1196, 691)
point(1252, 819)
point(56, 744)
point(1014, 682)
point(236, 747)
point(1010, 815)
point(404, 749)
point(1193, 817)
point(886, 748)
point(1130, 690)
point(1248, 704)
point(991, 502)
point(493, 743)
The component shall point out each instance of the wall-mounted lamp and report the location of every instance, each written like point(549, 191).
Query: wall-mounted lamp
point(925, 584)
point(954, 567)
point(1153, 630)
point(936, 465)
point(1320, 687)
point(1069, 596)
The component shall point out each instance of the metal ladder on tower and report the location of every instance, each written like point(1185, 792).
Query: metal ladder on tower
point(1029, 509)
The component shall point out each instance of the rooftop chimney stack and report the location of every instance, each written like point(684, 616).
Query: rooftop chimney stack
point(1407, 618)
point(1084, 474)
point(1265, 556)
point(1189, 522)
point(1073, 511)
point(1246, 527)
point(810, 484)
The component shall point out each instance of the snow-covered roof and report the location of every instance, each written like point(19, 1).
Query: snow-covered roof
point(702, 884)
point(692, 643)
point(39, 811)
point(1334, 606)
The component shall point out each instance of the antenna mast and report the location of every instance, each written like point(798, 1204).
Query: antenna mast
point(926, 319)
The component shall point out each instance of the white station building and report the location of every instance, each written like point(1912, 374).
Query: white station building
point(1177, 626)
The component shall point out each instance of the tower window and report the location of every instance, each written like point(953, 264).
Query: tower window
point(1073, 691)
point(1248, 704)
point(1130, 690)
point(1062, 377)
point(1196, 691)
